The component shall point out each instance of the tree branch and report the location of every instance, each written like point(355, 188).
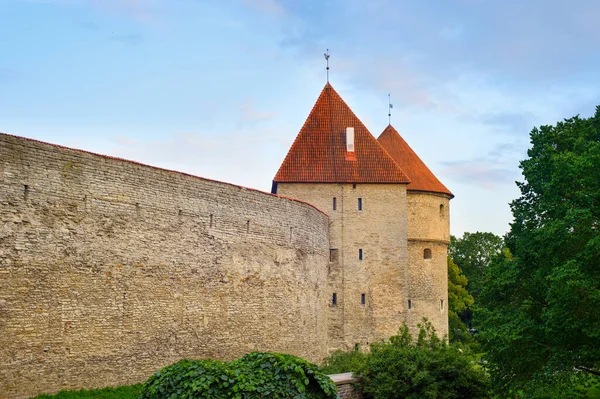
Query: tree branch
point(587, 370)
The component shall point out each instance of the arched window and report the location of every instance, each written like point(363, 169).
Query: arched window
point(427, 253)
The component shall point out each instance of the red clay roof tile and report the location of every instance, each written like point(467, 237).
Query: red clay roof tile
point(318, 155)
point(422, 179)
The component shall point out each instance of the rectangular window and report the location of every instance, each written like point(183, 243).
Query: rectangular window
point(334, 299)
point(360, 204)
point(334, 203)
point(360, 254)
point(409, 304)
point(363, 299)
point(333, 255)
point(441, 304)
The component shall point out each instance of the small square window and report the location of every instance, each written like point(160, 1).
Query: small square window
point(427, 253)
point(360, 204)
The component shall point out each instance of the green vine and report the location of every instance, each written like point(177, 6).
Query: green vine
point(255, 375)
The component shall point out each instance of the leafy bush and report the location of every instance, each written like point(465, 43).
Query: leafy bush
point(255, 375)
point(124, 392)
point(343, 362)
point(427, 368)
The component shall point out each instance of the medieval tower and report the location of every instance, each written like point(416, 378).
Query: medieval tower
point(389, 223)
point(109, 265)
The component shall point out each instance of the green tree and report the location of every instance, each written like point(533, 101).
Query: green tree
point(459, 300)
point(539, 310)
point(473, 252)
point(425, 368)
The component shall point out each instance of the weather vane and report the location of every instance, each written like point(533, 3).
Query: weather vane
point(390, 106)
point(327, 60)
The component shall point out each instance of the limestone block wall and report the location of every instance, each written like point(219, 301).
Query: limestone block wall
point(428, 230)
point(380, 231)
point(110, 270)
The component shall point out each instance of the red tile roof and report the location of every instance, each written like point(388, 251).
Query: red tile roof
point(318, 155)
point(422, 179)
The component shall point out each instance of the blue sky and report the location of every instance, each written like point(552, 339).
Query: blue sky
point(220, 88)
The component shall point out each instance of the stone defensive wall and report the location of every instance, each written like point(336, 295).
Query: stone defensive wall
point(110, 270)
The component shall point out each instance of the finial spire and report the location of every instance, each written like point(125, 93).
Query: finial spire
point(390, 106)
point(327, 61)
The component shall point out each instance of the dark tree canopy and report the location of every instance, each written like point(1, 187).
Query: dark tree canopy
point(472, 253)
point(539, 310)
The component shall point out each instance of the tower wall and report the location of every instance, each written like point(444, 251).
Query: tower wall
point(428, 229)
point(380, 231)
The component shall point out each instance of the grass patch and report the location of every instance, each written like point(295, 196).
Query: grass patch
point(124, 392)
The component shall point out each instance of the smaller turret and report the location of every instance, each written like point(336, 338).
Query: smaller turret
point(428, 227)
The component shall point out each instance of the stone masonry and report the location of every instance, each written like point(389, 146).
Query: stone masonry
point(110, 270)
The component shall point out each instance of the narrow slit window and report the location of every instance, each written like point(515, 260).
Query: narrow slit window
point(427, 253)
point(410, 304)
point(441, 210)
point(334, 299)
point(360, 254)
point(334, 203)
point(441, 304)
point(360, 204)
point(333, 255)
point(363, 299)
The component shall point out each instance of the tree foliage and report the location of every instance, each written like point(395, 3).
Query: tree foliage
point(539, 309)
point(459, 300)
point(255, 375)
point(472, 253)
point(425, 367)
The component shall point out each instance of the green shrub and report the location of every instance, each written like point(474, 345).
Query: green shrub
point(426, 368)
point(255, 375)
point(343, 362)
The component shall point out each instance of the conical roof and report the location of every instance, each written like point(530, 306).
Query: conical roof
point(318, 155)
point(421, 178)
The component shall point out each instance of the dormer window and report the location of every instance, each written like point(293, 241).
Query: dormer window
point(350, 139)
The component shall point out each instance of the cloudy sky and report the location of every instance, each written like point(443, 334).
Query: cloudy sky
point(220, 88)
